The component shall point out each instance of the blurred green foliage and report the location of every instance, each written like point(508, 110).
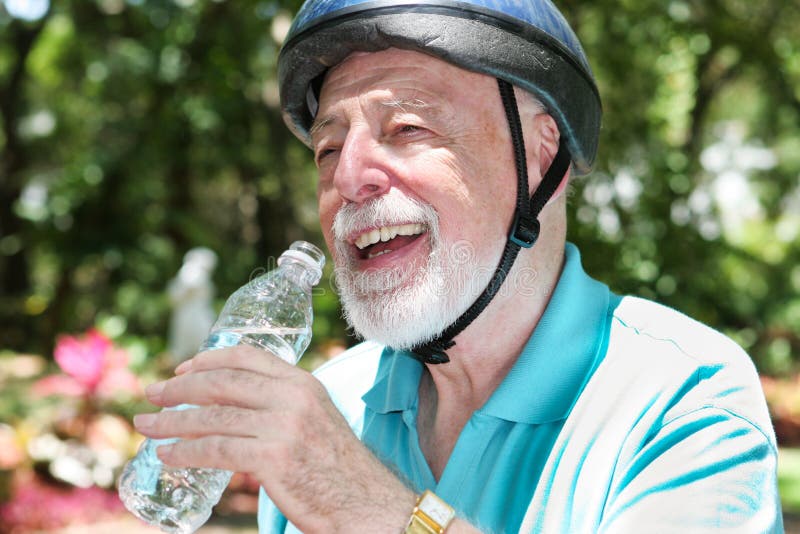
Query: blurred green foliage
point(135, 130)
point(789, 479)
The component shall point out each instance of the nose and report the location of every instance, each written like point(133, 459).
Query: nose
point(361, 171)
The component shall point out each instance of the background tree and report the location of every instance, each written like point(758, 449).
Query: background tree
point(134, 130)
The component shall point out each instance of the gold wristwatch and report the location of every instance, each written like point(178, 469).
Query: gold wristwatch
point(431, 515)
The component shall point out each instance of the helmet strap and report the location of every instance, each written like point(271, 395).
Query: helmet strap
point(524, 230)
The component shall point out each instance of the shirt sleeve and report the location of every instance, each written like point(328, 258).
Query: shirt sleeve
point(708, 470)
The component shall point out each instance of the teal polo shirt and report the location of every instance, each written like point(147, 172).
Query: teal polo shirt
point(498, 458)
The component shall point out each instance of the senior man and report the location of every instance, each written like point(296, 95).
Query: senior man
point(500, 388)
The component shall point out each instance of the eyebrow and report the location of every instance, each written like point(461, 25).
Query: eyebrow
point(319, 124)
point(402, 104)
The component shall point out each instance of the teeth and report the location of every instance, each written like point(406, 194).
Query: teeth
point(386, 233)
point(376, 254)
point(374, 236)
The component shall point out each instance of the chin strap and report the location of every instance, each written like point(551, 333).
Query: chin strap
point(524, 230)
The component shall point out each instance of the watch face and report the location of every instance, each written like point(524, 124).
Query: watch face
point(436, 509)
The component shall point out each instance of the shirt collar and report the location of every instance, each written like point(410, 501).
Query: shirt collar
point(562, 353)
point(396, 383)
point(549, 374)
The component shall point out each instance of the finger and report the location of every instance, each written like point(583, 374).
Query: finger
point(233, 387)
point(236, 387)
point(198, 422)
point(244, 357)
point(219, 452)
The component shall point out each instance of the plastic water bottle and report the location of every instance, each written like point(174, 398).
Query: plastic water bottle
point(272, 312)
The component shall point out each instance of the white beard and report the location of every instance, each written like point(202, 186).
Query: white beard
point(409, 305)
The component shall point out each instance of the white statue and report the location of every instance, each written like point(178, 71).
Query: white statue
point(191, 293)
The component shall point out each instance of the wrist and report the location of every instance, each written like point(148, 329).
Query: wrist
point(431, 515)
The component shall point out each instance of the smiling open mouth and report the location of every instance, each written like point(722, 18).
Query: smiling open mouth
point(387, 239)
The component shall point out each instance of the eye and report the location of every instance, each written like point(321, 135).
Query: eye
point(324, 153)
point(408, 129)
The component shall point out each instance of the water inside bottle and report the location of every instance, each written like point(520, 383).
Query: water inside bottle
point(285, 343)
point(174, 499)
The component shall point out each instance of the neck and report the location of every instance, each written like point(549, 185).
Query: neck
point(486, 351)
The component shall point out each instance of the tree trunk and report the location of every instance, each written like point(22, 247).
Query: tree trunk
point(14, 271)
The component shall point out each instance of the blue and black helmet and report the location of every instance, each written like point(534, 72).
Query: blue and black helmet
point(527, 43)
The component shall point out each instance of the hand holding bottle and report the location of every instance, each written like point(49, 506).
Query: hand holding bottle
point(272, 313)
point(253, 412)
point(275, 421)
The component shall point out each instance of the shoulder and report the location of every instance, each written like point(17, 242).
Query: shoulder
point(659, 324)
point(664, 336)
point(348, 376)
point(354, 366)
point(697, 366)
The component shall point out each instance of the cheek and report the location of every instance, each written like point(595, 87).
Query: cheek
point(480, 200)
point(494, 187)
point(328, 203)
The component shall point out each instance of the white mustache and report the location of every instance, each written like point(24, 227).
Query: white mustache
point(393, 208)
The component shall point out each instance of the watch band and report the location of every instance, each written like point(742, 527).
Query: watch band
point(431, 515)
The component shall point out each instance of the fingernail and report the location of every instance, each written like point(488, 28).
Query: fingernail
point(144, 420)
point(183, 367)
point(154, 390)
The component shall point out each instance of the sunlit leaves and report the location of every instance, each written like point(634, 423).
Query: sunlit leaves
point(147, 127)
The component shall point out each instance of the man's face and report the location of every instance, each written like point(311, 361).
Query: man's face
point(415, 152)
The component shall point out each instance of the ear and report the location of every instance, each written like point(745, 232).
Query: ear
point(541, 147)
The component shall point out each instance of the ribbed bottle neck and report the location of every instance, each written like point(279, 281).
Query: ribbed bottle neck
point(300, 273)
point(306, 257)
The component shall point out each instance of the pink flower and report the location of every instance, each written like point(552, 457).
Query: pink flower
point(83, 359)
point(35, 506)
point(92, 366)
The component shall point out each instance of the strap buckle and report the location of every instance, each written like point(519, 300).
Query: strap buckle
point(524, 231)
